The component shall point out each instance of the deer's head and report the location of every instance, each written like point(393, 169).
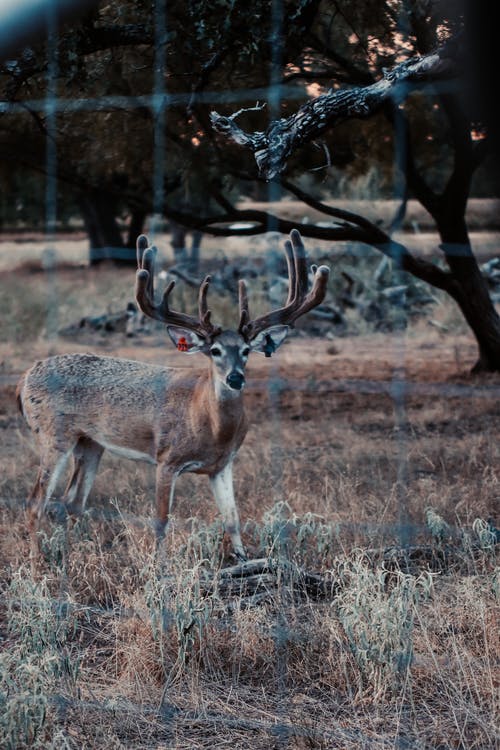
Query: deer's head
point(229, 350)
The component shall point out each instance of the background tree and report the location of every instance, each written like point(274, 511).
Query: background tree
point(136, 83)
point(128, 82)
point(446, 202)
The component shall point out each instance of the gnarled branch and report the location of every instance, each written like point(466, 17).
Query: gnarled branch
point(271, 148)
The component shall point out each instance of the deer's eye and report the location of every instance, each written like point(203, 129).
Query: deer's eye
point(215, 352)
point(245, 352)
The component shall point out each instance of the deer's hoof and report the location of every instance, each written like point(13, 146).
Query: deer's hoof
point(57, 512)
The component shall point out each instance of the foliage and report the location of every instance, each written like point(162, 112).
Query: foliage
point(124, 52)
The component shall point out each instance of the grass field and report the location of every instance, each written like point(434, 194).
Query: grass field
point(358, 446)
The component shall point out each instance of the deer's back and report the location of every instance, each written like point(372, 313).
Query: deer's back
point(98, 396)
point(83, 380)
point(134, 409)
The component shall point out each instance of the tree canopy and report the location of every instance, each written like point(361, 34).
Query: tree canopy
point(115, 109)
point(133, 85)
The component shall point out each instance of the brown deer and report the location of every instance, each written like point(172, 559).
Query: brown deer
point(80, 404)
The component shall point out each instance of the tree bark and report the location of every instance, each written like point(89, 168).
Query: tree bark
point(470, 291)
point(468, 287)
point(183, 256)
point(271, 148)
point(105, 238)
point(194, 255)
point(178, 241)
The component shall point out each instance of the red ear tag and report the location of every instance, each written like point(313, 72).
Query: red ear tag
point(182, 345)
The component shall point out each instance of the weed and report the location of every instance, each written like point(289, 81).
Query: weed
point(40, 662)
point(486, 534)
point(377, 610)
point(436, 523)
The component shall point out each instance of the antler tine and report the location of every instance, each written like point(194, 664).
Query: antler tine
point(298, 301)
point(163, 306)
point(141, 245)
point(204, 312)
point(145, 296)
point(144, 286)
point(299, 255)
point(243, 305)
point(317, 293)
point(298, 282)
point(292, 274)
point(202, 297)
point(145, 263)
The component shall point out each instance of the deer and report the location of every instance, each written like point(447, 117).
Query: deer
point(79, 405)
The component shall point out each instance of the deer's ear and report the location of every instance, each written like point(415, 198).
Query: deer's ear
point(268, 340)
point(186, 340)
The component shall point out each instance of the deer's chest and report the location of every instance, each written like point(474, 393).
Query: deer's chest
point(209, 443)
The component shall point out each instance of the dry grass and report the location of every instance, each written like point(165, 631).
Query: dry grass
point(105, 647)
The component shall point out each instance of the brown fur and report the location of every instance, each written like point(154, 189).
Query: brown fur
point(135, 406)
point(181, 420)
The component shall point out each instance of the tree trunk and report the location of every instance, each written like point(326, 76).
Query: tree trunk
point(470, 291)
point(178, 241)
point(105, 238)
point(471, 294)
point(194, 256)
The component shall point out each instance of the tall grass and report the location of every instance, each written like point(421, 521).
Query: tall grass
point(106, 644)
point(168, 637)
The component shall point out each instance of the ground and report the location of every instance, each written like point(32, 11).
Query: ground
point(357, 443)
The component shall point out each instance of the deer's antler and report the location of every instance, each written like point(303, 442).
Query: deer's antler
point(145, 295)
point(299, 301)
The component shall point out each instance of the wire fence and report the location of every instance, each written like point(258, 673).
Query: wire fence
point(282, 731)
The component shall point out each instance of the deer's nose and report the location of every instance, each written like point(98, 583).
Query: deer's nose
point(235, 380)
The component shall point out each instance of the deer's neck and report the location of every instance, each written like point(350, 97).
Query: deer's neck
point(224, 407)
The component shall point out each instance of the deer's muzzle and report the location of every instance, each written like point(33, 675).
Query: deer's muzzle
point(236, 380)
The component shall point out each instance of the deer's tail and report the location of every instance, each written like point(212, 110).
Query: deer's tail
point(19, 395)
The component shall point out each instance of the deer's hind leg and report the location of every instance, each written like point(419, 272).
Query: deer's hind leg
point(52, 464)
point(86, 457)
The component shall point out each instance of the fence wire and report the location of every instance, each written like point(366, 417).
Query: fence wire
point(398, 388)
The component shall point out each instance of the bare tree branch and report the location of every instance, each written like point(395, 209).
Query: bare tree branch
point(74, 43)
point(354, 228)
point(271, 148)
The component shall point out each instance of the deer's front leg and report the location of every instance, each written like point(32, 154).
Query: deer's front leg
point(165, 486)
point(222, 487)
